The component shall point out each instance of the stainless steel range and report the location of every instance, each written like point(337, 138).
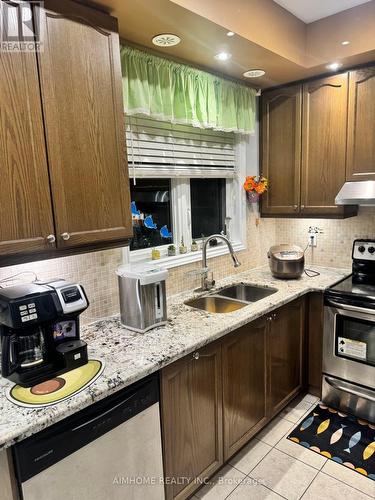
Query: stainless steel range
point(349, 337)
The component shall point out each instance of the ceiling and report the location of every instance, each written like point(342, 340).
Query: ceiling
point(312, 10)
point(266, 35)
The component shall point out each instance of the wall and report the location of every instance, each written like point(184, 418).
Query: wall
point(96, 271)
point(260, 235)
point(335, 244)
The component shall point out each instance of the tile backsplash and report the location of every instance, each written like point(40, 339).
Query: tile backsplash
point(260, 236)
point(334, 246)
point(96, 271)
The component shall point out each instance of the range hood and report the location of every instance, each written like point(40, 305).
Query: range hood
point(357, 193)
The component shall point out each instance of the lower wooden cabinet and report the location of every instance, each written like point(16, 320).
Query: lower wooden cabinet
point(315, 343)
point(244, 385)
point(191, 392)
point(285, 355)
point(215, 400)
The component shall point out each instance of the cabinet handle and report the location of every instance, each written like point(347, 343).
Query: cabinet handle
point(295, 207)
point(274, 316)
point(51, 238)
point(197, 355)
point(269, 318)
point(65, 236)
point(302, 207)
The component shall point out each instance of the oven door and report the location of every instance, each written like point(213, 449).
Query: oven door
point(349, 343)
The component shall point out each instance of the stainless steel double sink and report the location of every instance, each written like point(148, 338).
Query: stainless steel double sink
point(231, 298)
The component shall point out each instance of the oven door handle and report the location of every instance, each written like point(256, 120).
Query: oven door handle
point(347, 307)
point(345, 388)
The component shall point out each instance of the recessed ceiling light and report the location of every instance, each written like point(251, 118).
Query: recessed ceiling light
point(223, 56)
point(230, 33)
point(334, 66)
point(254, 73)
point(166, 40)
point(345, 42)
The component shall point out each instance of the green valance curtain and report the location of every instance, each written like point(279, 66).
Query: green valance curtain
point(177, 93)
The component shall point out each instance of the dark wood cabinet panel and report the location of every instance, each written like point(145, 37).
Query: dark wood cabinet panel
point(315, 343)
point(244, 385)
point(80, 79)
point(324, 131)
point(214, 401)
point(361, 136)
point(191, 391)
point(281, 150)
point(285, 355)
point(26, 213)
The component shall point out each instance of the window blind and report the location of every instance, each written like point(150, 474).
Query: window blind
point(161, 149)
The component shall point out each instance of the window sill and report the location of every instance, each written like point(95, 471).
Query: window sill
point(184, 259)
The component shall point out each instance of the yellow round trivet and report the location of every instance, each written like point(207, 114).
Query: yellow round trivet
point(57, 389)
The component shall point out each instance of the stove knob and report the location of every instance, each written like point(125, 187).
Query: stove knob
point(361, 249)
point(371, 250)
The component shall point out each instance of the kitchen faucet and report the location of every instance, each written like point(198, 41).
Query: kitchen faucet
point(206, 283)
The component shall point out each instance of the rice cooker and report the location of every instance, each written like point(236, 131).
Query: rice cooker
point(286, 261)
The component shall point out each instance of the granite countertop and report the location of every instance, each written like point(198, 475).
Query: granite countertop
point(130, 356)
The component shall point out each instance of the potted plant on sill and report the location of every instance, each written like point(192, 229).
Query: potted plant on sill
point(194, 246)
point(171, 251)
point(183, 248)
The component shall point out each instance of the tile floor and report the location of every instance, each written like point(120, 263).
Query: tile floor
point(271, 467)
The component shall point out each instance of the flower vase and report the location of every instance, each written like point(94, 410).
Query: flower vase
point(252, 196)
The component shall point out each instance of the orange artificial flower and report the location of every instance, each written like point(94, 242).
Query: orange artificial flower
point(260, 188)
point(252, 184)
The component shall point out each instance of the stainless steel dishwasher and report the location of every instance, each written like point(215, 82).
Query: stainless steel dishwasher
point(111, 450)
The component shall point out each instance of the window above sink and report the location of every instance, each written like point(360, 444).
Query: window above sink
point(190, 202)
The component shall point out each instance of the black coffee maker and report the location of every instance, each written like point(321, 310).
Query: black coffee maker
point(39, 330)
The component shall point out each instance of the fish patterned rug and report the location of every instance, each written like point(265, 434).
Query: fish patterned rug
point(343, 438)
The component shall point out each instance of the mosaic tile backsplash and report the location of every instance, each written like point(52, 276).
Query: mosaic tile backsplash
point(335, 243)
point(96, 271)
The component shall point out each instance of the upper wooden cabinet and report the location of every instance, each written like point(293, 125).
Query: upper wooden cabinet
point(304, 143)
point(26, 214)
point(281, 149)
point(64, 170)
point(325, 114)
point(83, 110)
point(361, 136)
point(244, 385)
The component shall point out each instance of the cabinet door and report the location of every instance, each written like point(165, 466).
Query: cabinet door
point(315, 342)
point(26, 211)
point(244, 385)
point(281, 150)
point(192, 420)
point(285, 355)
point(323, 144)
point(83, 110)
point(361, 123)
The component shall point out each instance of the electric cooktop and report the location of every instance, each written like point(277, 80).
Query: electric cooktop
point(359, 288)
